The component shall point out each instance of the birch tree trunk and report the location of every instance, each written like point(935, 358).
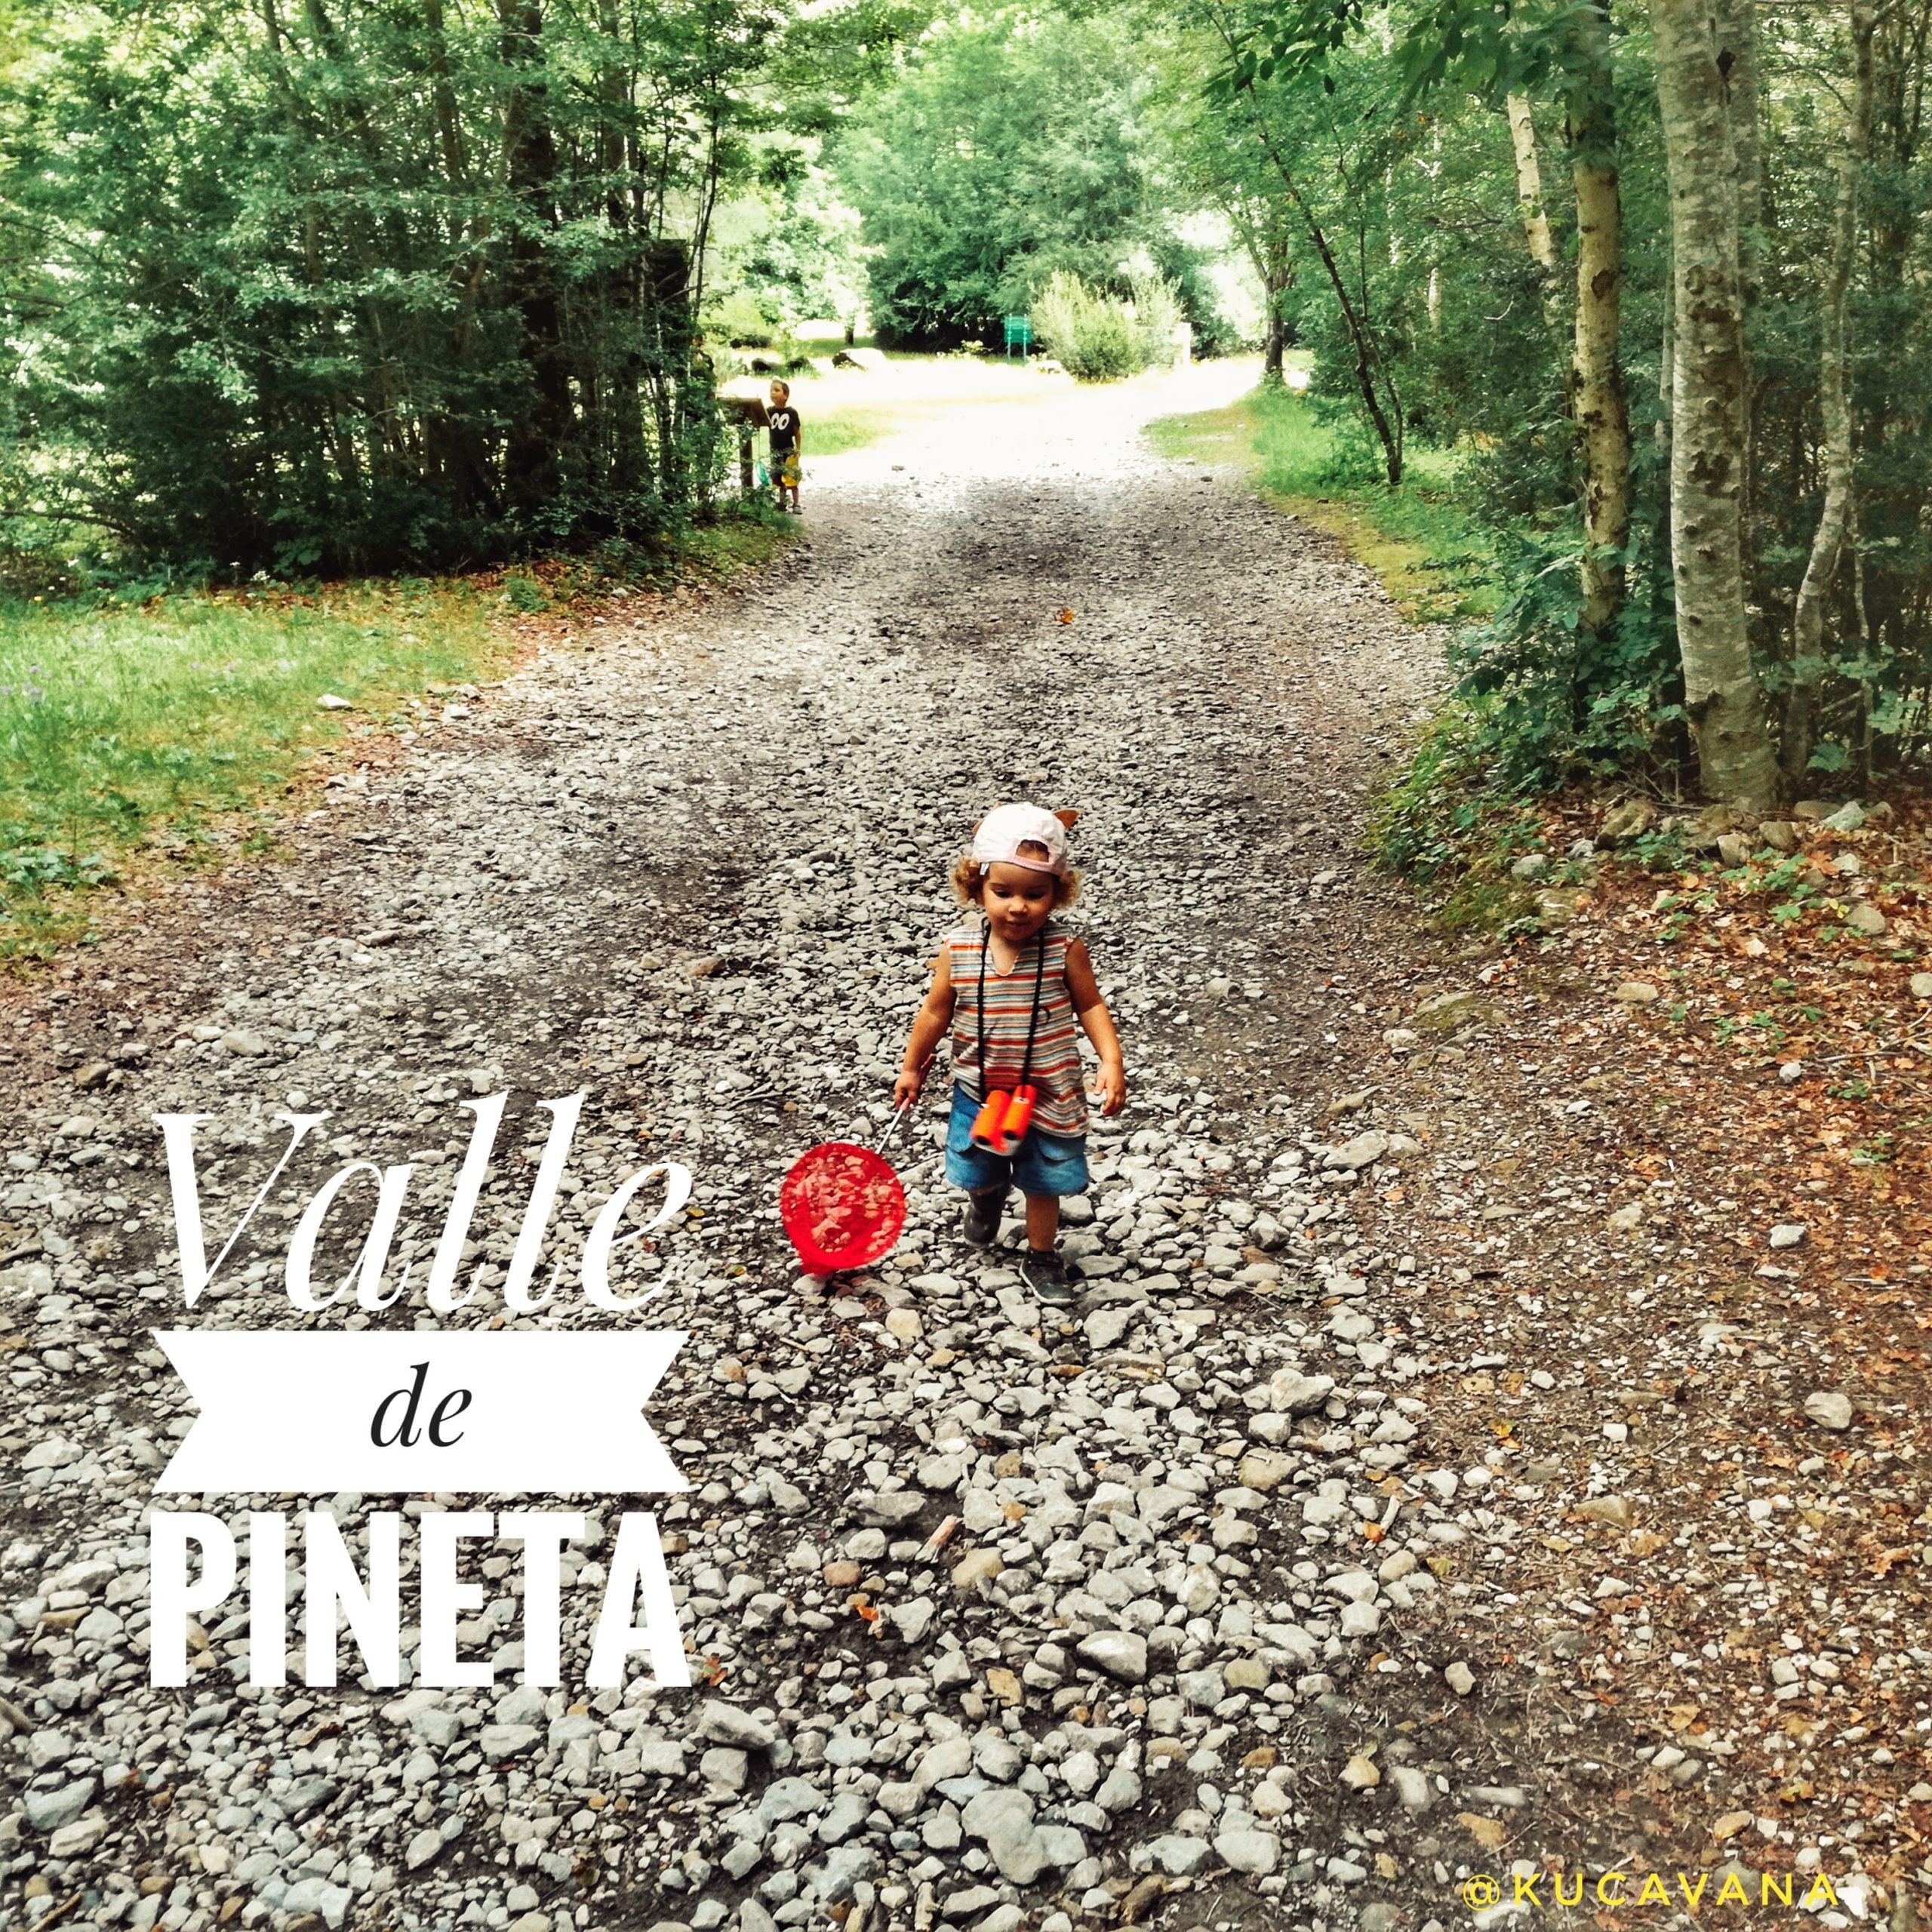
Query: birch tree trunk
point(1736, 25)
point(1807, 622)
point(1529, 197)
point(1596, 398)
point(1737, 762)
point(1736, 22)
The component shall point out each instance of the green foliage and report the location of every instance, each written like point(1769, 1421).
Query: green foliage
point(802, 263)
point(1097, 337)
point(1011, 148)
point(367, 286)
point(1559, 702)
point(1386, 122)
point(1538, 702)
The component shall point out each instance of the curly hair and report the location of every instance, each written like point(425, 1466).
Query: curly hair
point(969, 883)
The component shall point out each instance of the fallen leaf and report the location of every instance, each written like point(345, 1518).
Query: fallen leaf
point(1487, 1832)
point(1004, 1685)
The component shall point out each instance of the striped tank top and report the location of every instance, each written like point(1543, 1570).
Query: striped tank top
point(1008, 997)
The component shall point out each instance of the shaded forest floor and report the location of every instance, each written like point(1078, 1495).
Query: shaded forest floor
point(1711, 1069)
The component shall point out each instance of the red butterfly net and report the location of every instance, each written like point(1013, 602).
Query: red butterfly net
point(842, 1206)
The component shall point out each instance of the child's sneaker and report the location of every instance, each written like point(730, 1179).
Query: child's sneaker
point(1046, 1275)
point(981, 1225)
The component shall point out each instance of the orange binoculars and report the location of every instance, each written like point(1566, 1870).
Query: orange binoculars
point(1001, 1123)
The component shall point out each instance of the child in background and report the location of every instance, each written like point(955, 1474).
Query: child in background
point(788, 443)
point(1016, 989)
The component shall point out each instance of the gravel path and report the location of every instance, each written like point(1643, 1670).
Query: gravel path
point(694, 862)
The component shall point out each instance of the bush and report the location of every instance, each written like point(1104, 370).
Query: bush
point(1099, 339)
point(1092, 336)
point(1157, 314)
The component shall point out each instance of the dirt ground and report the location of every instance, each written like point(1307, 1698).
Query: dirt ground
point(1619, 1614)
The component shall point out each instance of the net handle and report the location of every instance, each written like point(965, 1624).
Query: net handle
point(902, 1112)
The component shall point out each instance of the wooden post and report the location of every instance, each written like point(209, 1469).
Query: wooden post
point(748, 413)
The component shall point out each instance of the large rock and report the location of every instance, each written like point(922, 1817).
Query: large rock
point(849, 1867)
point(950, 1757)
point(499, 1741)
point(1828, 1409)
point(1178, 1856)
point(890, 1510)
point(1264, 1468)
point(788, 1797)
point(1290, 1392)
point(1121, 1653)
point(48, 1811)
point(720, 1723)
point(1253, 1852)
point(1363, 1151)
point(1631, 819)
point(1002, 1820)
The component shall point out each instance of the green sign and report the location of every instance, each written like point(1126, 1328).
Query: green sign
point(1018, 333)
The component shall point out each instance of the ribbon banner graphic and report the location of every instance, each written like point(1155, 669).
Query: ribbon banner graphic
point(495, 1411)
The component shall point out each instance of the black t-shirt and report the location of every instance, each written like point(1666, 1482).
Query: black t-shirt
point(784, 423)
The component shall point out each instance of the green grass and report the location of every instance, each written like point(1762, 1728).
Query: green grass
point(136, 736)
point(850, 426)
point(134, 730)
point(1435, 559)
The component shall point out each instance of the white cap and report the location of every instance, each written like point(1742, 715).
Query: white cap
point(998, 836)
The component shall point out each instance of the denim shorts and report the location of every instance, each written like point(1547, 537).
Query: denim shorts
point(1043, 1163)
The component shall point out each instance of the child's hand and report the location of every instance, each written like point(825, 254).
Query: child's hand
point(1110, 1093)
point(906, 1088)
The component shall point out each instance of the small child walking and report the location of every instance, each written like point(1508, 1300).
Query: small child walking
point(788, 444)
point(1016, 989)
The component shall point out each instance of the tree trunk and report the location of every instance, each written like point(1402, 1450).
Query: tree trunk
point(1276, 349)
point(1265, 242)
point(1277, 279)
point(538, 437)
point(1596, 395)
point(1736, 22)
point(1735, 760)
point(1529, 198)
point(1736, 25)
point(1807, 622)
